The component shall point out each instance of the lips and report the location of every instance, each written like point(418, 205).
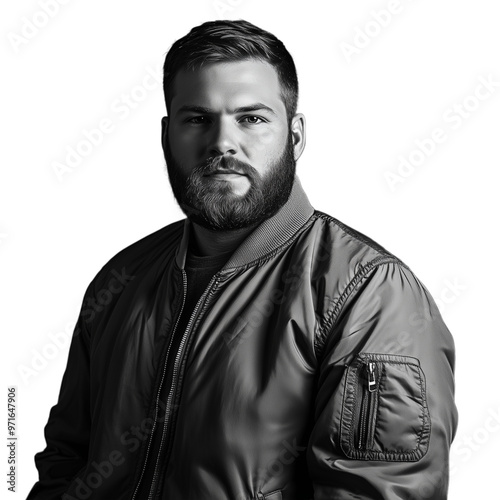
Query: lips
point(226, 171)
point(225, 167)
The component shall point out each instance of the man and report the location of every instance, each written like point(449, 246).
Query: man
point(257, 349)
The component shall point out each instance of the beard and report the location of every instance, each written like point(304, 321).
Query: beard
point(213, 204)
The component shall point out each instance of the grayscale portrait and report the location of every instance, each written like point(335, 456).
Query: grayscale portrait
point(254, 284)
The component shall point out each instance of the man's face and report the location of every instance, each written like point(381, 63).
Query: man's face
point(229, 150)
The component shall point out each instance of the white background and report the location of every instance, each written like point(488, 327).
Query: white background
point(364, 111)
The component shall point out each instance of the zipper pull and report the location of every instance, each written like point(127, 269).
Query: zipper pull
point(372, 377)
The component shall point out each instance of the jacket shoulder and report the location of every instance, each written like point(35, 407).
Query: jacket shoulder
point(349, 244)
point(349, 261)
point(142, 254)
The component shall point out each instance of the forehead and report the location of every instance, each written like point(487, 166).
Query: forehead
point(221, 85)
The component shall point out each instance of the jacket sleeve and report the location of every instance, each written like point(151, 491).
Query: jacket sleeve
point(68, 428)
point(384, 410)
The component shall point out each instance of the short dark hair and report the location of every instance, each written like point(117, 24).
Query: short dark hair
point(229, 41)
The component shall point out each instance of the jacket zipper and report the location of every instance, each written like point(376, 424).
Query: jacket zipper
point(366, 426)
point(175, 374)
point(184, 292)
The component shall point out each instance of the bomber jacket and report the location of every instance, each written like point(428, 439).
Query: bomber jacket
point(314, 365)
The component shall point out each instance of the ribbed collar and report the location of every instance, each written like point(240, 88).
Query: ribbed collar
point(267, 236)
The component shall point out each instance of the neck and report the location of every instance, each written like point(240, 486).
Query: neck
point(206, 242)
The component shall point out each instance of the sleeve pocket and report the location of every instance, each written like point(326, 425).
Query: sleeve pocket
point(384, 411)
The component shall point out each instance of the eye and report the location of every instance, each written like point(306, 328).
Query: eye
point(253, 120)
point(198, 120)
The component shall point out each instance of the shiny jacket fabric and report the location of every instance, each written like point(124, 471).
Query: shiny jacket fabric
point(315, 365)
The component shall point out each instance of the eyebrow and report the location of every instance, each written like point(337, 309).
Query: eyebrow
point(243, 109)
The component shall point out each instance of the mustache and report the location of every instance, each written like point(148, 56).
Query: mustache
point(214, 163)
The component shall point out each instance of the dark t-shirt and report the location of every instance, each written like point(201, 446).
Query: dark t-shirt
point(200, 271)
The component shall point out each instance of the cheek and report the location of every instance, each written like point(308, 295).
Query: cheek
point(184, 146)
point(266, 143)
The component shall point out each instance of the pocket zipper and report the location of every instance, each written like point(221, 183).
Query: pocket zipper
point(368, 404)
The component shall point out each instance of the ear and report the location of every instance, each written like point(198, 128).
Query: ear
point(298, 130)
point(164, 132)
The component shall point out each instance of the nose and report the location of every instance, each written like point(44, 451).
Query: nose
point(223, 139)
